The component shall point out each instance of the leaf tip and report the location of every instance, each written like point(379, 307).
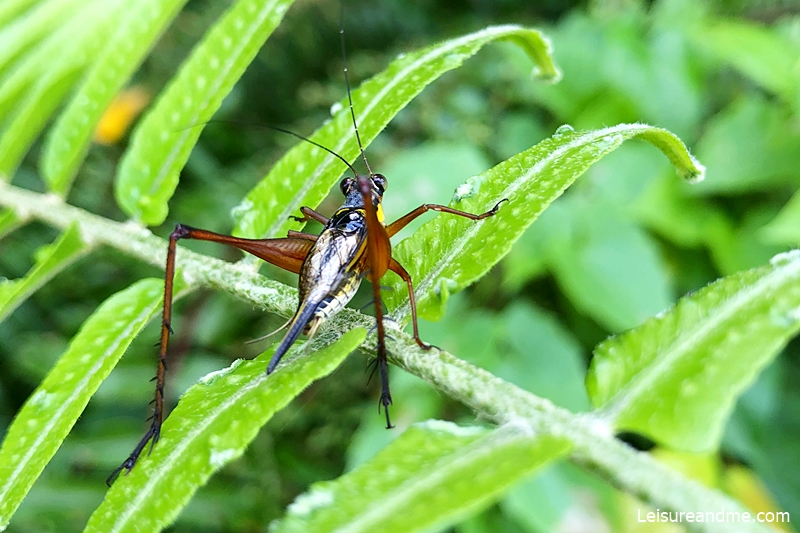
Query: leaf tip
point(552, 76)
point(546, 72)
point(694, 173)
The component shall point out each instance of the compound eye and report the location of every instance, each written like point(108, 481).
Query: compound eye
point(380, 182)
point(345, 185)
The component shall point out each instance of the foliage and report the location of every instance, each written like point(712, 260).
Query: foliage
point(612, 254)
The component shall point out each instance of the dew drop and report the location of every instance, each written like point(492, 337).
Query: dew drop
point(785, 258)
point(220, 458)
point(315, 499)
point(564, 129)
point(211, 377)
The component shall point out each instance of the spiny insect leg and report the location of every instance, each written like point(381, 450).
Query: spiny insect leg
point(403, 221)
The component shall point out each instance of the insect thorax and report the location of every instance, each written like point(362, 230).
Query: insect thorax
point(333, 269)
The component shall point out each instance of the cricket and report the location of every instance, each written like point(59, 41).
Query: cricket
point(355, 243)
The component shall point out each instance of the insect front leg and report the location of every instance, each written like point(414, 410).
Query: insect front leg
point(398, 269)
point(403, 221)
point(310, 214)
point(301, 235)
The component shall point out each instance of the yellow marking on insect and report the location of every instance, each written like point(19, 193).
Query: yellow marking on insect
point(362, 246)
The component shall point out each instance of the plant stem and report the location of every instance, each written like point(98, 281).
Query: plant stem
point(594, 445)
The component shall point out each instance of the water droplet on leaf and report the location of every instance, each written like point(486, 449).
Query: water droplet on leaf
point(564, 129)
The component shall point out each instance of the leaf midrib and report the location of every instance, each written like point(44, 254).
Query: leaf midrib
point(645, 378)
point(403, 309)
point(171, 460)
point(179, 145)
point(393, 502)
point(295, 201)
point(70, 400)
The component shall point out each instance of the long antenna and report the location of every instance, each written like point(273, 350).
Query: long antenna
point(355, 174)
point(347, 84)
point(275, 128)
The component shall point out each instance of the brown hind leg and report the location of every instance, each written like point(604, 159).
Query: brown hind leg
point(287, 253)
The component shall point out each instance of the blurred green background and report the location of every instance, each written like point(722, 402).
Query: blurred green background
point(622, 244)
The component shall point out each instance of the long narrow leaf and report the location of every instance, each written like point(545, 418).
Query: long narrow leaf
point(450, 252)
point(57, 65)
point(71, 43)
point(50, 260)
point(212, 425)
point(432, 475)
point(68, 141)
point(785, 227)
point(9, 221)
point(761, 53)
point(32, 26)
point(33, 114)
point(676, 377)
point(266, 210)
point(10, 9)
point(49, 414)
point(161, 144)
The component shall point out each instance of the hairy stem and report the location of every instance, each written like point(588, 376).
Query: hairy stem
point(594, 444)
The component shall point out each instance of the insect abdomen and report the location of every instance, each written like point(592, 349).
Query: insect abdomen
point(303, 316)
point(335, 301)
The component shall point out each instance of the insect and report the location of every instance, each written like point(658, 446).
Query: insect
point(354, 244)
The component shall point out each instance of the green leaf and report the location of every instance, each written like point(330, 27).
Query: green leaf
point(49, 414)
point(760, 53)
point(33, 26)
point(68, 141)
point(60, 51)
point(34, 112)
point(785, 228)
point(10, 9)
point(609, 268)
point(73, 45)
point(9, 221)
point(50, 260)
point(432, 475)
point(425, 172)
point(212, 425)
point(749, 146)
point(543, 357)
point(449, 252)
point(675, 378)
point(161, 144)
point(305, 175)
